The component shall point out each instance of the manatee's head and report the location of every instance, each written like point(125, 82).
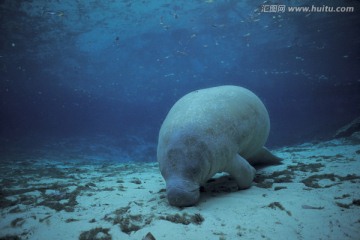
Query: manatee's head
point(183, 161)
point(182, 193)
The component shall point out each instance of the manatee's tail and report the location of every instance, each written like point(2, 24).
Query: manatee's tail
point(264, 158)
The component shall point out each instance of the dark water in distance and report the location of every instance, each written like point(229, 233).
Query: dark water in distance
point(114, 68)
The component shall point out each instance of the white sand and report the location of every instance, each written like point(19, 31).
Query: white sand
point(128, 200)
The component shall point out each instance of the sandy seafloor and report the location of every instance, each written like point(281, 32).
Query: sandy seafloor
point(314, 194)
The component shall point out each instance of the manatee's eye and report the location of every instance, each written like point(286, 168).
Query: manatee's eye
point(190, 141)
point(173, 154)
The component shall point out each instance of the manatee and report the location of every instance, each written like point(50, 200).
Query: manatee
point(218, 129)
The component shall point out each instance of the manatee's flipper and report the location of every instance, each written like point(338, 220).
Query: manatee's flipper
point(241, 171)
point(264, 158)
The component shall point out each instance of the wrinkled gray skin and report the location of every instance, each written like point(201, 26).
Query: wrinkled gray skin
point(219, 129)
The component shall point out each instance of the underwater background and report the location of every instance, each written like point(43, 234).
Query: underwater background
point(109, 71)
point(86, 84)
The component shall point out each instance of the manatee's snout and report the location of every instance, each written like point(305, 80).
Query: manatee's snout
point(182, 194)
point(181, 198)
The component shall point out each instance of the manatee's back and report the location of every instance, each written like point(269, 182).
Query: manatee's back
point(221, 115)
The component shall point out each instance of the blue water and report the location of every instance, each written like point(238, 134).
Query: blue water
point(79, 69)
